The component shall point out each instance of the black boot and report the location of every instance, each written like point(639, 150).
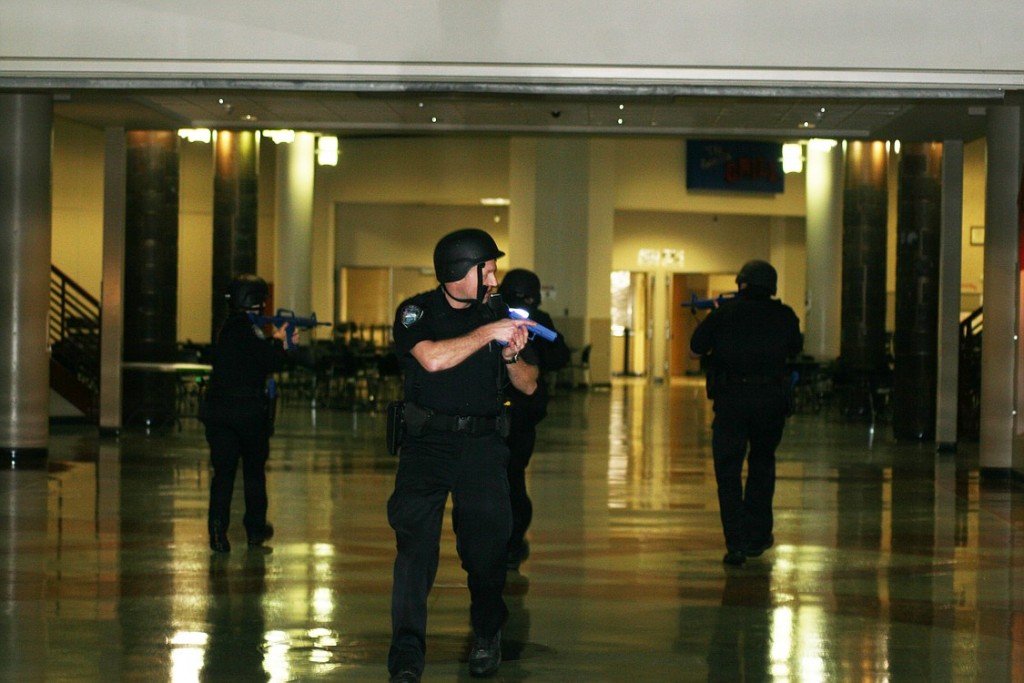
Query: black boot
point(485, 656)
point(258, 538)
point(219, 538)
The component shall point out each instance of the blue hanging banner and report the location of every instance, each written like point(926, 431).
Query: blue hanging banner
point(734, 165)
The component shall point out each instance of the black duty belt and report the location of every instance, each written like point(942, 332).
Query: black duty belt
point(462, 424)
point(735, 378)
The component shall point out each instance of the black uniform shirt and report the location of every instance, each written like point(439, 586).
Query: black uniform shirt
point(471, 388)
point(749, 335)
point(242, 360)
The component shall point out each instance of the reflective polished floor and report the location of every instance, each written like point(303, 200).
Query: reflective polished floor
point(892, 562)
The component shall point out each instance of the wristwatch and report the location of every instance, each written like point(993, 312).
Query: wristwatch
point(511, 361)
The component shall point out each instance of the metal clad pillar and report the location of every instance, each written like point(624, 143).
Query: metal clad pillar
point(115, 168)
point(865, 220)
point(150, 273)
point(25, 222)
point(950, 253)
point(235, 187)
point(915, 341)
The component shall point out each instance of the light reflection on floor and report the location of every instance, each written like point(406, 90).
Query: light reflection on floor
point(893, 563)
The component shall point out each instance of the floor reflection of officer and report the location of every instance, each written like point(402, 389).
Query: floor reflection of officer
point(236, 625)
point(456, 360)
point(748, 339)
point(236, 412)
point(738, 651)
point(520, 288)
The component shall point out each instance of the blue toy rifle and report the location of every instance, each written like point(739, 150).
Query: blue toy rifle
point(289, 320)
point(696, 304)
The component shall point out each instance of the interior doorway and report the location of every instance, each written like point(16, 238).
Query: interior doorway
point(630, 324)
point(684, 318)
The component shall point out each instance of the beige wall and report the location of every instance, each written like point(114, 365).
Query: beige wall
point(404, 235)
point(650, 175)
point(972, 256)
point(78, 203)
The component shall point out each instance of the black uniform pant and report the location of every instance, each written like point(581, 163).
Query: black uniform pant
point(238, 431)
point(747, 416)
point(472, 470)
point(521, 440)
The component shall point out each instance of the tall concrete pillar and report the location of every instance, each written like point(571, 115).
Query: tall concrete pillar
point(234, 215)
point(25, 223)
point(950, 250)
point(573, 220)
point(522, 180)
point(999, 361)
point(915, 340)
point(150, 275)
point(865, 217)
point(296, 166)
point(824, 180)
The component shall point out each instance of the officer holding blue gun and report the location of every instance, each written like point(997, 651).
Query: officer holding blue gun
point(236, 410)
point(457, 359)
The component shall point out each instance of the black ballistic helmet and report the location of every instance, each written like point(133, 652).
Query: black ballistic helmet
point(246, 291)
point(758, 274)
point(459, 251)
point(518, 285)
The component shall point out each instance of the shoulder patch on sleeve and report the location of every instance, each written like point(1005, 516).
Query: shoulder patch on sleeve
point(411, 314)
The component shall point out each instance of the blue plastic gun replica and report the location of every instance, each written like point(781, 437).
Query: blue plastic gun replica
point(696, 304)
point(536, 329)
point(289, 320)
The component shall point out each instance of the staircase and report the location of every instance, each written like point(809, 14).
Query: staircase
point(969, 389)
point(74, 340)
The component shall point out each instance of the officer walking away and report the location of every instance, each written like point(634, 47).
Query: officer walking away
point(520, 288)
point(237, 412)
point(457, 359)
point(748, 339)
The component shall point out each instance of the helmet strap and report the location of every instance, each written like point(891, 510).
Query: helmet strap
point(481, 289)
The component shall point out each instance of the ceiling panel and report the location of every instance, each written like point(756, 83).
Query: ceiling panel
point(445, 112)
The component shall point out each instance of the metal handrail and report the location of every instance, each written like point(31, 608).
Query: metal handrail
point(74, 328)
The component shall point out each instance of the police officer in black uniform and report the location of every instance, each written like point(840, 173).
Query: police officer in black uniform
point(457, 359)
point(520, 288)
point(748, 339)
point(236, 411)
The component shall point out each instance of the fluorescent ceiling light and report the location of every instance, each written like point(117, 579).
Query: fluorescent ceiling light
point(327, 150)
point(195, 134)
point(279, 136)
point(792, 157)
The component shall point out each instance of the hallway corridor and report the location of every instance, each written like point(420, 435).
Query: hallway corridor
point(892, 562)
